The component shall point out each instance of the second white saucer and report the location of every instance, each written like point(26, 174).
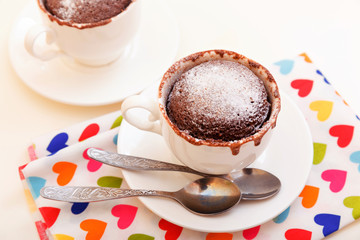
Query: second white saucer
point(151, 53)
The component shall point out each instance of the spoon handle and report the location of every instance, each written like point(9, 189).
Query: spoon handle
point(137, 163)
point(95, 194)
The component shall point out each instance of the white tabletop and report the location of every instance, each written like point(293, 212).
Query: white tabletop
point(266, 31)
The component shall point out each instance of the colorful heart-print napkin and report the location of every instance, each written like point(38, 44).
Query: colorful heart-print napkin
point(329, 201)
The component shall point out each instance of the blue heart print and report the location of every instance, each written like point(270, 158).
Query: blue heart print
point(115, 139)
point(320, 73)
point(78, 208)
point(285, 66)
point(35, 184)
point(355, 158)
point(330, 222)
point(58, 143)
point(282, 216)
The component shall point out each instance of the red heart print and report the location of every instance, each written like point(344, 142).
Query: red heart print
point(310, 195)
point(298, 234)
point(303, 85)
point(89, 131)
point(172, 231)
point(50, 215)
point(337, 179)
point(41, 229)
point(344, 133)
point(92, 165)
point(21, 174)
point(125, 213)
point(94, 228)
point(251, 233)
point(66, 171)
point(219, 236)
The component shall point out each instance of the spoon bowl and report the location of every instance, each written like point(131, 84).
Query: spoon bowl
point(255, 184)
point(209, 195)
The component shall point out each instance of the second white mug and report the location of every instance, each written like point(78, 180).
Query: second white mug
point(93, 44)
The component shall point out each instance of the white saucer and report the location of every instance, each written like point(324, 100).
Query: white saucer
point(148, 57)
point(289, 157)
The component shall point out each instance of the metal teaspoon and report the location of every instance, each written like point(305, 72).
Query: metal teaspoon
point(254, 184)
point(210, 195)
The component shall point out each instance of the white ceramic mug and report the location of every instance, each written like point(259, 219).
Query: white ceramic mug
point(93, 44)
point(215, 157)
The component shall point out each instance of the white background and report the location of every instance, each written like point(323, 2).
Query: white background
point(266, 31)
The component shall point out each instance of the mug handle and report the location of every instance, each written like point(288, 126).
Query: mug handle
point(151, 124)
point(32, 37)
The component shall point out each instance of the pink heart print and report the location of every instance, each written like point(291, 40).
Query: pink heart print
point(92, 165)
point(337, 179)
point(125, 213)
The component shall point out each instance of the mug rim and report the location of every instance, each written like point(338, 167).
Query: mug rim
point(62, 22)
point(196, 58)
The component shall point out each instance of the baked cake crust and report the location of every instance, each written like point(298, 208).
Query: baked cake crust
point(86, 11)
point(220, 100)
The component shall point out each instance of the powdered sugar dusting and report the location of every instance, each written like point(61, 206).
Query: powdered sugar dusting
point(68, 9)
point(86, 11)
point(228, 89)
point(223, 92)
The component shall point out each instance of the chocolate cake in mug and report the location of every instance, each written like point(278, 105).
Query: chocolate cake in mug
point(85, 11)
point(220, 100)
